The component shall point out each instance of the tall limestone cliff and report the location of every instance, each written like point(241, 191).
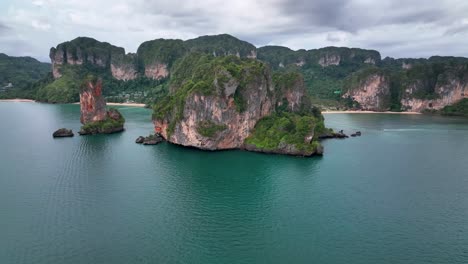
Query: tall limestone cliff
point(216, 103)
point(415, 85)
point(435, 84)
point(280, 57)
point(370, 89)
point(156, 57)
point(88, 51)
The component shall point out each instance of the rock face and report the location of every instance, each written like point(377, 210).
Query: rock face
point(63, 132)
point(220, 113)
point(372, 92)
point(124, 66)
point(220, 110)
point(329, 59)
point(96, 119)
point(445, 94)
point(156, 71)
point(92, 103)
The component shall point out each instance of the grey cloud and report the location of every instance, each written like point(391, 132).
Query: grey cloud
point(3, 28)
point(352, 15)
point(456, 30)
point(333, 37)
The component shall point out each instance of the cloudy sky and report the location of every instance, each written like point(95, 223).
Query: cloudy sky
point(397, 28)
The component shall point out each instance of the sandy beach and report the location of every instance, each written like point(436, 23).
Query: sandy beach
point(16, 100)
point(127, 104)
point(369, 112)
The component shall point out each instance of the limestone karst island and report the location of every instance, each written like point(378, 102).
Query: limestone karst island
point(244, 132)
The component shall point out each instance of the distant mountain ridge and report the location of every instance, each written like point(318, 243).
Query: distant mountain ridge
point(19, 73)
point(335, 77)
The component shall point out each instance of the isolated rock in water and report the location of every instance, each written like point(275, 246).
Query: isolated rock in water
point(92, 102)
point(140, 140)
point(63, 132)
point(94, 116)
point(153, 139)
point(113, 123)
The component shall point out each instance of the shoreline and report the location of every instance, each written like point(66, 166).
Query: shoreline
point(127, 104)
point(122, 104)
point(369, 112)
point(21, 100)
point(18, 100)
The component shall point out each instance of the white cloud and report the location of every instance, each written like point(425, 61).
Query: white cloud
point(40, 25)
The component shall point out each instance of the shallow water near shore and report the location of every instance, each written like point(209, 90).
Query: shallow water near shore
point(398, 194)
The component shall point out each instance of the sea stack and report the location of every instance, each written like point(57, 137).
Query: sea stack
point(92, 103)
point(95, 117)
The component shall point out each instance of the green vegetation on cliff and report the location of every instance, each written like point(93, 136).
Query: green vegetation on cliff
point(113, 123)
point(323, 82)
point(282, 129)
point(209, 129)
point(205, 75)
point(165, 51)
point(457, 109)
point(66, 88)
point(86, 50)
point(220, 45)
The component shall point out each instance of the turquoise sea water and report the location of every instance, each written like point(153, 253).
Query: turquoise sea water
point(398, 194)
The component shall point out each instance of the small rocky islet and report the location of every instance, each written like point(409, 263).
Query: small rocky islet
point(150, 140)
point(63, 132)
point(95, 117)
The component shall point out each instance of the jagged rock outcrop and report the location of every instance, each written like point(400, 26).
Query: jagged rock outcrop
point(219, 109)
point(371, 91)
point(124, 66)
point(92, 103)
point(203, 113)
point(329, 59)
point(96, 119)
point(156, 71)
point(150, 140)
